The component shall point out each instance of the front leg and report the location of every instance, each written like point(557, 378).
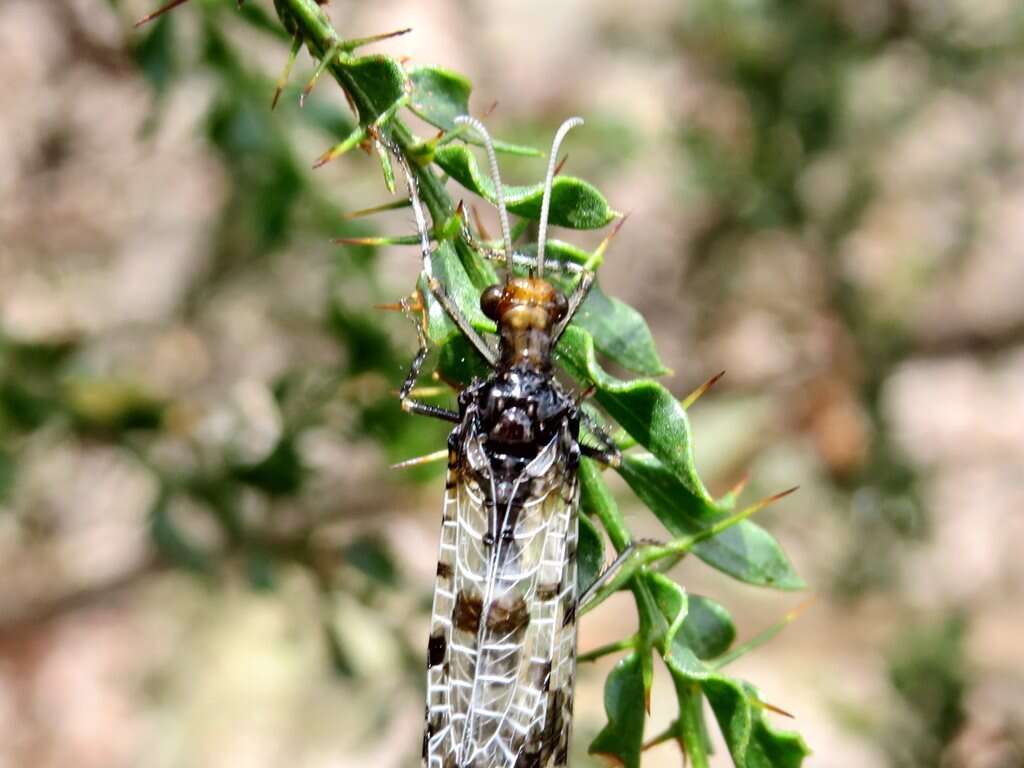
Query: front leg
point(579, 295)
point(409, 405)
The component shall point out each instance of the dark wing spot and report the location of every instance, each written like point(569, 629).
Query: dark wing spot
point(466, 615)
point(436, 648)
point(508, 616)
point(548, 591)
point(444, 570)
point(540, 675)
point(570, 614)
point(529, 759)
point(553, 725)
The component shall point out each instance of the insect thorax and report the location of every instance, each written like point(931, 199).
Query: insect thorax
point(513, 416)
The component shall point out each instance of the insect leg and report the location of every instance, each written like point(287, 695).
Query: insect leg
point(433, 284)
point(410, 405)
point(586, 282)
point(587, 600)
point(608, 454)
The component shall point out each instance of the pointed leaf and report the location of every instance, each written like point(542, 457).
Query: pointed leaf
point(452, 275)
point(620, 333)
point(745, 551)
point(752, 742)
point(671, 600)
point(643, 407)
point(622, 738)
point(440, 95)
point(708, 629)
point(381, 82)
point(574, 202)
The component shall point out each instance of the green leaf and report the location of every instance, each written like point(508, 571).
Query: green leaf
point(589, 554)
point(458, 362)
point(620, 333)
point(173, 543)
point(155, 54)
point(8, 471)
point(752, 742)
point(671, 601)
point(279, 474)
point(574, 202)
point(260, 570)
point(24, 406)
point(440, 95)
point(708, 629)
point(622, 738)
point(380, 80)
point(745, 551)
point(643, 407)
point(111, 405)
point(370, 555)
point(452, 275)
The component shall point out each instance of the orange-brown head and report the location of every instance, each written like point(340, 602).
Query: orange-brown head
point(526, 310)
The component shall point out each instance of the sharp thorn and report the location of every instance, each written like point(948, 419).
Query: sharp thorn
point(694, 396)
point(395, 307)
point(781, 495)
point(619, 224)
point(490, 109)
point(479, 223)
point(351, 45)
point(561, 164)
point(158, 12)
point(376, 241)
point(737, 489)
point(435, 456)
point(597, 257)
point(772, 708)
point(403, 203)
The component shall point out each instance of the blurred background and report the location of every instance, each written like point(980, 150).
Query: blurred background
point(204, 558)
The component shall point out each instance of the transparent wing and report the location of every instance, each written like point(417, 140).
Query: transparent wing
point(502, 647)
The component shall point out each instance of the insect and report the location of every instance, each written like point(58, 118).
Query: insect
point(502, 647)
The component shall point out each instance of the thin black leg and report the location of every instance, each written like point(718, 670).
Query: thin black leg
point(409, 405)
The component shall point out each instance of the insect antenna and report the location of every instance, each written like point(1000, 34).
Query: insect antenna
point(542, 232)
point(499, 191)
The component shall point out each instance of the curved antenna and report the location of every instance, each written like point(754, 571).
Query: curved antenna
point(499, 191)
point(549, 180)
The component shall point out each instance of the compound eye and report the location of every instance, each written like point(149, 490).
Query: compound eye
point(561, 305)
point(489, 301)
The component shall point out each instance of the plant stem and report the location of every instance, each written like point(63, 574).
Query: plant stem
point(621, 645)
point(691, 725)
point(315, 28)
